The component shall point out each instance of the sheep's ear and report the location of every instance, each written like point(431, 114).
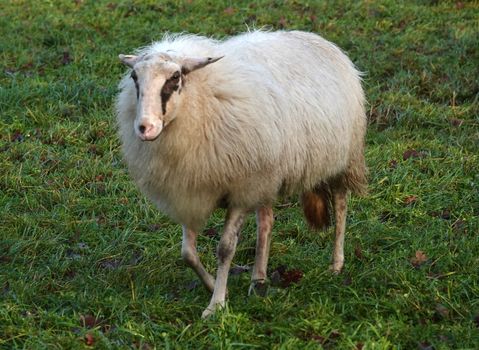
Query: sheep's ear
point(190, 64)
point(129, 60)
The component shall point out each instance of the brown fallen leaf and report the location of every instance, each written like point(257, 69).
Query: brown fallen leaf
point(90, 321)
point(410, 153)
point(89, 340)
point(419, 259)
point(290, 277)
point(456, 122)
point(410, 200)
point(283, 277)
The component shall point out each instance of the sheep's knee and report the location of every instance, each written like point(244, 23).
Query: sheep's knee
point(189, 257)
point(225, 250)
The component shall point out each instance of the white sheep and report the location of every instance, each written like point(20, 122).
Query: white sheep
point(278, 113)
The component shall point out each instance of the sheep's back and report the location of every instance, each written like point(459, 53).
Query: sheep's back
point(314, 98)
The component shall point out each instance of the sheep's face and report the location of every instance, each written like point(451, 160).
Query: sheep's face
point(158, 81)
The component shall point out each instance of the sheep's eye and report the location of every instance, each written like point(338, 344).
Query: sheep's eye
point(133, 75)
point(176, 75)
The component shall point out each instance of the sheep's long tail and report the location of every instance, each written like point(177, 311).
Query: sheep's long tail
point(316, 208)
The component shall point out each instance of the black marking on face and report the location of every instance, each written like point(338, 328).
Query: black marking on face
point(171, 85)
point(135, 80)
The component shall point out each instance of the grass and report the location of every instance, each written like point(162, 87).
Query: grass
point(86, 261)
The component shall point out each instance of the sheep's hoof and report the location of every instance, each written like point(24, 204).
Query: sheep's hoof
point(211, 309)
point(258, 288)
point(207, 313)
point(336, 268)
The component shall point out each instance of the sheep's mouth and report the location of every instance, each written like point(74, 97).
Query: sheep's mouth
point(145, 139)
point(150, 137)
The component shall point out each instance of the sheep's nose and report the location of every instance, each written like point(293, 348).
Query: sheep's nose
point(145, 128)
point(148, 131)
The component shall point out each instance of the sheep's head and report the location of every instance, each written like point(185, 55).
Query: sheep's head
point(158, 80)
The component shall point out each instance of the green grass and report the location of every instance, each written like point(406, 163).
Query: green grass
point(78, 240)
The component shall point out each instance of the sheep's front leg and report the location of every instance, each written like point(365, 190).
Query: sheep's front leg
point(190, 256)
point(226, 251)
point(340, 210)
point(264, 225)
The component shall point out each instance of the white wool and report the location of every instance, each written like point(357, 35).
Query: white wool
point(280, 113)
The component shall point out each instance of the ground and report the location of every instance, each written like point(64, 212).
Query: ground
point(87, 261)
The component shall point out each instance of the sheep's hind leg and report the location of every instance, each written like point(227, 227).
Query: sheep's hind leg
point(340, 210)
point(264, 225)
point(190, 256)
point(226, 251)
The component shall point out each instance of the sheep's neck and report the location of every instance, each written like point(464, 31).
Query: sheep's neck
point(196, 119)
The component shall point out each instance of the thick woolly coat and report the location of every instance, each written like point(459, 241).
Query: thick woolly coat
point(280, 113)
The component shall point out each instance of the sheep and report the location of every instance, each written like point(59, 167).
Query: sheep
point(237, 123)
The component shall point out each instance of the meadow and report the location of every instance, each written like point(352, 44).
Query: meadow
point(87, 262)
